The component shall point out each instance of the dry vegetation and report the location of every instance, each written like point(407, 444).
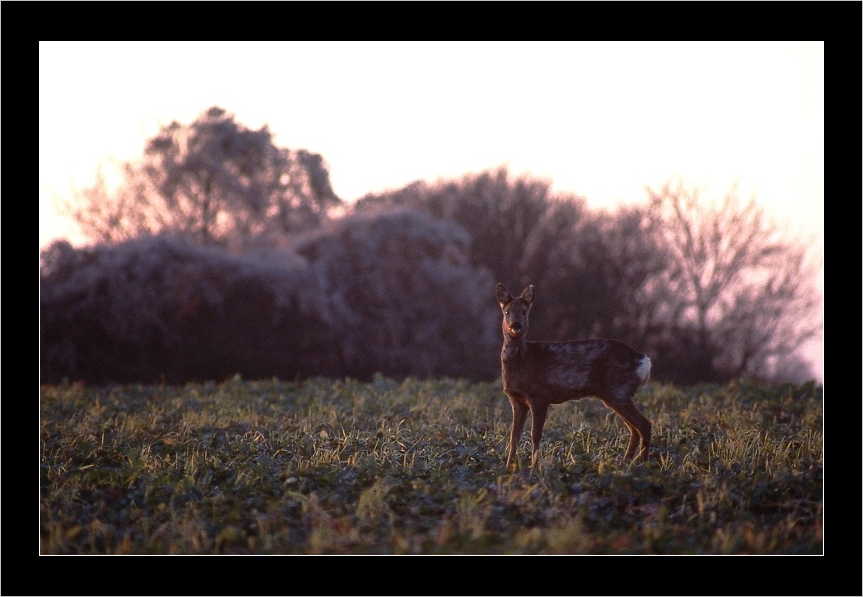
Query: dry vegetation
point(416, 467)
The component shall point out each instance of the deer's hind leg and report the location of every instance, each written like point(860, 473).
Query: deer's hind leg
point(634, 438)
point(639, 426)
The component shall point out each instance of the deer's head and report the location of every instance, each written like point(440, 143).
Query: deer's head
point(515, 310)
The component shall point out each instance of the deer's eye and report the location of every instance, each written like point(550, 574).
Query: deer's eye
point(506, 312)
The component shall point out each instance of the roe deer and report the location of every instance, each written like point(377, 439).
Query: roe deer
point(536, 374)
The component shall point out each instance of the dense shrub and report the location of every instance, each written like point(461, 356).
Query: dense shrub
point(404, 297)
point(390, 292)
point(159, 308)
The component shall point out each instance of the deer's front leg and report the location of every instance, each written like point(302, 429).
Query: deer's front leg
point(519, 416)
point(538, 410)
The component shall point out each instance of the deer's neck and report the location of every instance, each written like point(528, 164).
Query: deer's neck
point(513, 349)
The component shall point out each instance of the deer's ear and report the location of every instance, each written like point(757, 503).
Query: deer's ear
point(503, 295)
point(527, 294)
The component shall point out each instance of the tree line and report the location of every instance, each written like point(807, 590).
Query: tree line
point(221, 253)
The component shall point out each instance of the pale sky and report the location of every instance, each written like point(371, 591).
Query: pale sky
point(601, 120)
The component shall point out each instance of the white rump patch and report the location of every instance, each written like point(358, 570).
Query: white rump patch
point(643, 370)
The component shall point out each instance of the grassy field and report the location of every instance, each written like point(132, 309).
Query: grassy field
point(343, 467)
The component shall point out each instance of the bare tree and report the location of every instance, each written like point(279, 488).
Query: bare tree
point(214, 182)
point(621, 261)
point(520, 230)
point(743, 290)
point(107, 216)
